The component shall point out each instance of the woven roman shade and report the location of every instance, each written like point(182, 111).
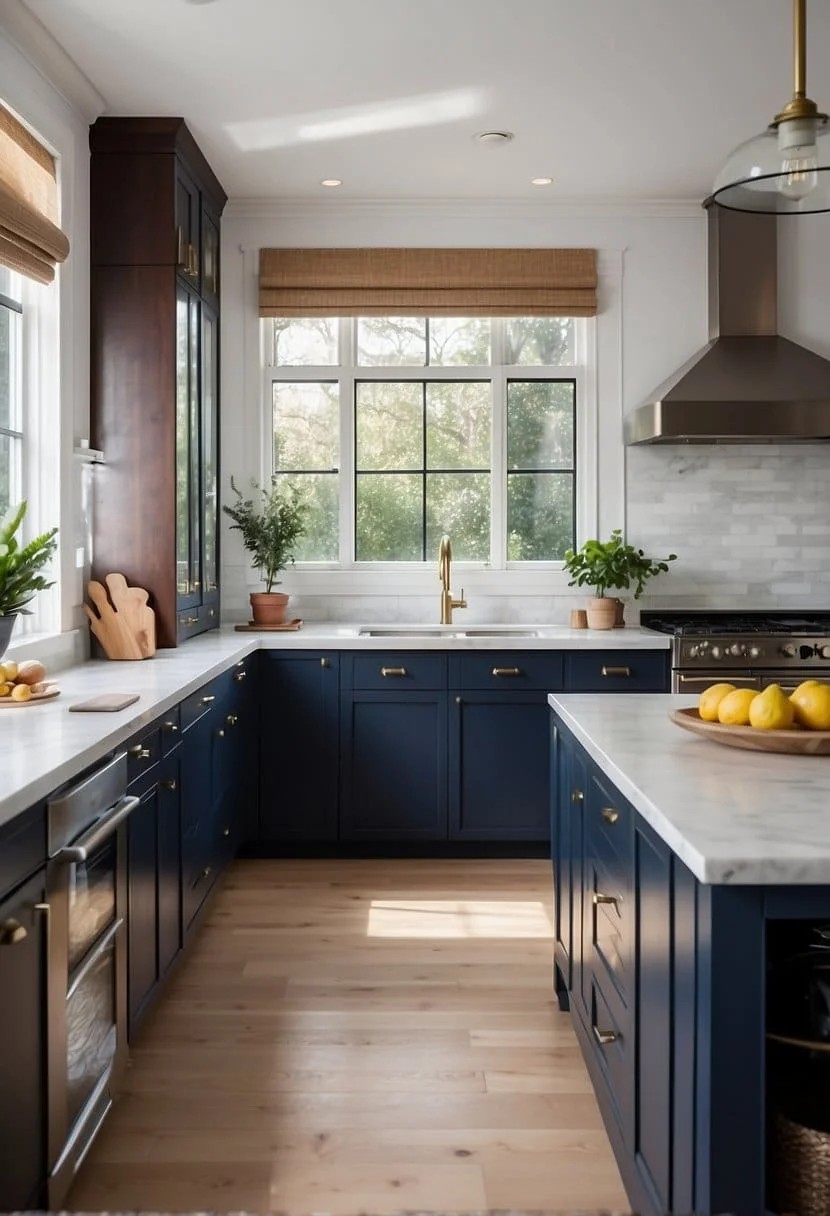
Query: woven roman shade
point(427, 282)
point(31, 241)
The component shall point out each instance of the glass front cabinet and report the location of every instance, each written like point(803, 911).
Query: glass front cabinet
point(156, 209)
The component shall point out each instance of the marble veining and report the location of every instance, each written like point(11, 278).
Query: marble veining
point(44, 746)
point(731, 816)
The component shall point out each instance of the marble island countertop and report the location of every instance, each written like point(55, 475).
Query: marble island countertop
point(44, 746)
point(731, 816)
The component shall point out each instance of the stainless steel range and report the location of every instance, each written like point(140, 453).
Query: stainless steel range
point(748, 649)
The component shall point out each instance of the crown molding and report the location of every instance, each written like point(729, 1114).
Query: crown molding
point(34, 41)
point(462, 208)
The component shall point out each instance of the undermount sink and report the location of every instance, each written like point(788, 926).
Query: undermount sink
point(444, 631)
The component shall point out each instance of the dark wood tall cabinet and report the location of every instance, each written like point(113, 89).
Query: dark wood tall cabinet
point(155, 213)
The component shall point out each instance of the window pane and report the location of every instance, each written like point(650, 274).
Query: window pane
point(389, 517)
point(389, 421)
point(458, 425)
point(6, 339)
point(300, 341)
point(7, 495)
point(392, 341)
point(306, 426)
point(459, 504)
point(540, 424)
point(539, 340)
point(459, 340)
point(321, 542)
point(540, 516)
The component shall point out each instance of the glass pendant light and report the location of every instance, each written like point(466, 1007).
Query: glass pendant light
point(786, 169)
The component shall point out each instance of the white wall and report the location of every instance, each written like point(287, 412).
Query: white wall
point(64, 128)
point(652, 317)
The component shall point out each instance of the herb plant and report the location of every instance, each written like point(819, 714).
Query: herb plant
point(613, 564)
point(270, 526)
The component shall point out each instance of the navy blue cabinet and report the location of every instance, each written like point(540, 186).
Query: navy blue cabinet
point(617, 671)
point(23, 1046)
point(499, 762)
point(298, 746)
point(568, 783)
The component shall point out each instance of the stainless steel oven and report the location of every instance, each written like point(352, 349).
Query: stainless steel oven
point(87, 981)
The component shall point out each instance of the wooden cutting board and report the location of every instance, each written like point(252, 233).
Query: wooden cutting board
point(121, 620)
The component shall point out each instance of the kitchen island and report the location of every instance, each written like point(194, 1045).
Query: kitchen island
point(684, 871)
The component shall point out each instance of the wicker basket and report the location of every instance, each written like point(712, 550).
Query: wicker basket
point(800, 1169)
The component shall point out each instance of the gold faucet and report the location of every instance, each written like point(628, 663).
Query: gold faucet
point(444, 565)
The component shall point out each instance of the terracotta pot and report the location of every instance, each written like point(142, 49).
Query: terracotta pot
point(602, 613)
point(268, 607)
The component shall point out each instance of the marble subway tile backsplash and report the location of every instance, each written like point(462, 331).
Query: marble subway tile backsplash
point(750, 523)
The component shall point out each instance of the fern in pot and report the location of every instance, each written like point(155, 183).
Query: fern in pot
point(611, 565)
point(21, 569)
point(271, 522)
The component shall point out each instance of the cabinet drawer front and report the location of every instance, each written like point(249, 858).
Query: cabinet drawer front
point(407, 669)
point(22, 847)
point(609, 1040)
point(608, 819)
point(191, 621)
point(198, 704)
point(617, 671)
point(510, 670)
point(608, 925)
point(143, 751)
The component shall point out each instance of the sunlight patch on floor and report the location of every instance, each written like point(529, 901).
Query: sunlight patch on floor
point(462, 918)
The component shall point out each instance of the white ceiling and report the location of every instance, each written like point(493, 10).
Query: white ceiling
point(611, 98)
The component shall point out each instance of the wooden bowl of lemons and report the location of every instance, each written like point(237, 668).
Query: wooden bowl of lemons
point(766, 721)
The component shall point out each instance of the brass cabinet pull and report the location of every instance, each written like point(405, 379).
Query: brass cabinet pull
point(188, 620)
point(324, 662)
point(172, 727)
point(169, 784)
point(240, 676)
point(139, 752)
point(616, 671)
point(507, 671)
point(232, 719)
point(609, 814)
point(208, 700)
point(600, 898)
point(393, 671)
point(604, 1037)
point(12, 932)
point(577, 796)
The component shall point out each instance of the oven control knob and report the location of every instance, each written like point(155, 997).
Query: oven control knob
point(694, 650)
point(806, 652)
point(716, 652)
point(755, 652)
point(788, 650)
point(824, 652)
point(736, 649)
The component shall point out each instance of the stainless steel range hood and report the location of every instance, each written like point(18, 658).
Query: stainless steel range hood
point(748, 385)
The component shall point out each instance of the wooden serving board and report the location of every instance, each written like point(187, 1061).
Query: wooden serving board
point(283, 628)
point(795, 742)
point(34, 699)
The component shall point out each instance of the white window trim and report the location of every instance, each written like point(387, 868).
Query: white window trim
point(412, 578)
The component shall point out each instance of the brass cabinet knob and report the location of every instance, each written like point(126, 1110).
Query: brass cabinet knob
point(604, 1037)
point(12, 932)
point(458, 700)
point(220, 734)
point(577, 796)
point(171, 726)
point(139, 752)
point(609, 814)
point(206, 872)
point(169, 784)
point(324, 663)
point(240, 676)
point(226, 832)
point(232, 719)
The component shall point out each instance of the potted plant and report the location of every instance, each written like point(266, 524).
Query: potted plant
point(607, 565)
point(271, 526)
point(20, 569)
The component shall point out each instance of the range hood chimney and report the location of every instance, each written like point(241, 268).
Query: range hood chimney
point(748, 385)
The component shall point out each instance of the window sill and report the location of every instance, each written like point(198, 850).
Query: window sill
point(55, 650)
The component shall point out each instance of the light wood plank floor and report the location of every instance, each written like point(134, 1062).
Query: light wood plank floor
point(360, 1035)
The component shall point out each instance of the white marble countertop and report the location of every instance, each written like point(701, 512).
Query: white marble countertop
point(731, 816)
point(44, 746)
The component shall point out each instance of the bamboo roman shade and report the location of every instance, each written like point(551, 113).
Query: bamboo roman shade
point(31, 241)
point(427, 282)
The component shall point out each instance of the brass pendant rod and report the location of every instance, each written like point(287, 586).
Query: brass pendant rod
point(800, 48)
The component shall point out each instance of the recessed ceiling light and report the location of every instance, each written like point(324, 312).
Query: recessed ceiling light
point(541, 181)
point(331, 181)
point(494, 137)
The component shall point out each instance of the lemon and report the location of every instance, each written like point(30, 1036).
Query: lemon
point(5, 689)
point(811, 702)
point(710, 699)
point(733, 710)
point(771, 710)
point(21, 692)
point(9, 671)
